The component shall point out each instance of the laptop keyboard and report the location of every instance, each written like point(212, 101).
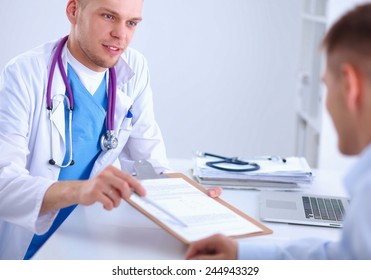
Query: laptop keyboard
point(323, 208)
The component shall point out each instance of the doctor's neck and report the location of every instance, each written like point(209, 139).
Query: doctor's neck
point(90, 61)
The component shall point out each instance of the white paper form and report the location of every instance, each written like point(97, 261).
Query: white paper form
point(194, 215)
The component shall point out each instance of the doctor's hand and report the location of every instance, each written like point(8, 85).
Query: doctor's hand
point(108, 187)
point(215, 247)
point(214, 192)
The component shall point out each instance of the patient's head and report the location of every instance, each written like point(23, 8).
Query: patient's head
point(348, 78)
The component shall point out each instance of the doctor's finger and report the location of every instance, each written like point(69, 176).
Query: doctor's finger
point(115, 196)
point(107, 203)
point(132, 183)
point(215, 192)
point(121, 186)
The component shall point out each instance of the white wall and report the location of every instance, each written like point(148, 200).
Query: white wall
point(223, 71)
point(26, 24)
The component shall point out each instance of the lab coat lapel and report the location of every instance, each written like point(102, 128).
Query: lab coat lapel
point(123, 101)
point(123, 104)
point(59, 90)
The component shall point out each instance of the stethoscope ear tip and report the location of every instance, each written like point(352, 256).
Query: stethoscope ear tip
point(199, 154)
point(52, 162)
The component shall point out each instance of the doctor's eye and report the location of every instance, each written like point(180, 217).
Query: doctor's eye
point(108, 16)
point(132, 23)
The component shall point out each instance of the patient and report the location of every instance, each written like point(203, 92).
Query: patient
point(347, 46)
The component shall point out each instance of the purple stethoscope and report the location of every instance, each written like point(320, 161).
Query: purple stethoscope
point(108, 140)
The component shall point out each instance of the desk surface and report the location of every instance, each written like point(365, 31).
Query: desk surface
point(124, 233)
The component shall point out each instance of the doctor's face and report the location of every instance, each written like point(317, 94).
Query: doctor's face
point(101, 30)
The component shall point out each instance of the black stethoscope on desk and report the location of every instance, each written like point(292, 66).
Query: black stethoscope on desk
point(249, 166)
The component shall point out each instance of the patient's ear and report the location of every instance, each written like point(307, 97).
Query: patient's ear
point(353, 82)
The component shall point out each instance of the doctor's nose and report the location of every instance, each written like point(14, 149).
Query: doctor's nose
point(120, 31)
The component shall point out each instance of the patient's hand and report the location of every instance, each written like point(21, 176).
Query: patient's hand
point(216, 247)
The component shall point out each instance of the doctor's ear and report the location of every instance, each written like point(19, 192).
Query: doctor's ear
point(353, 81)
point(71, 10)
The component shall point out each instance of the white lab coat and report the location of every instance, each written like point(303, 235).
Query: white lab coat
point(25, 174)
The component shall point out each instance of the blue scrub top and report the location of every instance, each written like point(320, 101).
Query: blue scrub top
point(88, 125)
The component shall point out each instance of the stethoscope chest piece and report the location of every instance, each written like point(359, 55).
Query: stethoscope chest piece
point(108, 141)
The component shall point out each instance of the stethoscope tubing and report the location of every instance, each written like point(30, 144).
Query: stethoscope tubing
point(231, 160)
point(57, 58)
point(108, 140)
point(111, 99)
point(70, 159)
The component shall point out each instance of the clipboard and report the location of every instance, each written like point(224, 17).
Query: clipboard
point(262, 229)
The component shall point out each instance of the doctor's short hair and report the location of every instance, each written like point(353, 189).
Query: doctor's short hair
point(349, 38)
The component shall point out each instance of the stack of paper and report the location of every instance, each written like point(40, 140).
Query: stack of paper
point(272, 174)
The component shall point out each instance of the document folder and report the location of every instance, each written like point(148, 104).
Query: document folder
point(183, 208)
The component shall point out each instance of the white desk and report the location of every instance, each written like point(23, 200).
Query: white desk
point(124, 233)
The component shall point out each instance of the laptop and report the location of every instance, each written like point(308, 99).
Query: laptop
point(303, 208)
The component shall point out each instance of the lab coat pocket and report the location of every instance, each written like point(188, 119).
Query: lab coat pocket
point(125, 130)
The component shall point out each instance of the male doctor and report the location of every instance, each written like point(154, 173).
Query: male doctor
point(35, 194)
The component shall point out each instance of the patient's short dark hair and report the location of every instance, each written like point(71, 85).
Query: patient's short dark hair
point(352, 32)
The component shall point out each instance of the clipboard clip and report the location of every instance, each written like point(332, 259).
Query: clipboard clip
point(144, 170)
